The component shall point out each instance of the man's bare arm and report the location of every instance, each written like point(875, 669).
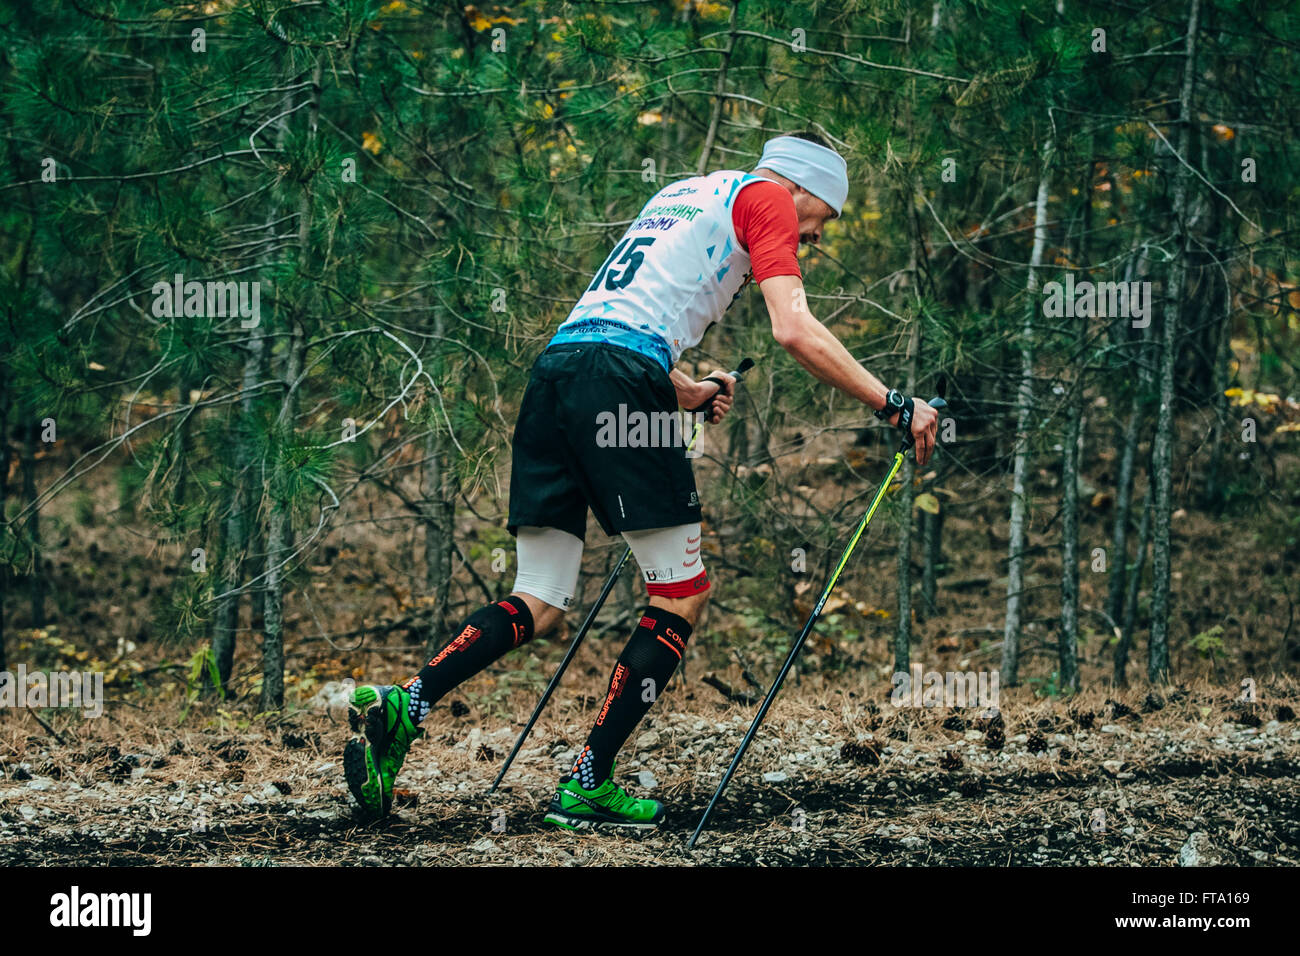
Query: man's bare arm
point(813, 346)
point(817, 349)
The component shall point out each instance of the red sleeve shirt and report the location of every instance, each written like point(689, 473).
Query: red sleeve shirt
point(768, 229)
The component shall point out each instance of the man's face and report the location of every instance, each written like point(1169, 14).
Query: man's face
point(813, 215)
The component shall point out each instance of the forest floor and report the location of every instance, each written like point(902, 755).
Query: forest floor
point(1197, 778)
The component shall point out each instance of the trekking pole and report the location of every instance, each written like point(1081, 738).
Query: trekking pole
point(745, 366)
point(808, 626)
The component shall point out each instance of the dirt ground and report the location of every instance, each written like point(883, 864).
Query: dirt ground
point(1196, 778)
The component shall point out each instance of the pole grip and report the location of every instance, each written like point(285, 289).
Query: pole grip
point(908, 439)
point(738, 375)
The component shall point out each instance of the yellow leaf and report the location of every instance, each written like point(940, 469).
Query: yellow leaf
point(927, 502)
point(1289, 427)
point(370, 143)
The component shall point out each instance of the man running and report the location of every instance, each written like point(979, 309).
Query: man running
point(611, 358)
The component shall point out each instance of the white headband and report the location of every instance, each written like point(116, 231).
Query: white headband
point(817, 169)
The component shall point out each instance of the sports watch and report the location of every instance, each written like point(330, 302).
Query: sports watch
point(897, 404)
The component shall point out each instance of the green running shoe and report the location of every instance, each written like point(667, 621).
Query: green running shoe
point(371, 767)
point(608, 805)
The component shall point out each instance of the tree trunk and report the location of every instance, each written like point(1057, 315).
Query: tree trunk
point(1131, 599)
point(906, 497)
point(36, 579)
point(1212, 494)
point(907, 473)
point(1009, 672)
point(1163, 448)
point(439, 523)
point(1068, 647)
point(280, 531)
point(242, 539)
point(719, 101)
point(1128, 453)
point(932, 541)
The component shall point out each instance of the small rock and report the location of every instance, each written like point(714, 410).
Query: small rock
point(775, 776)
point(646, 780)
point(1198, 851)
point(484, 845)
point(28, 811)
point(648, 740)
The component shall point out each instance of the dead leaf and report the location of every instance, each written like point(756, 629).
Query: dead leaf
point(927, 502)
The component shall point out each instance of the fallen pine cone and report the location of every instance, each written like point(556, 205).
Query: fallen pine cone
point(860, 753)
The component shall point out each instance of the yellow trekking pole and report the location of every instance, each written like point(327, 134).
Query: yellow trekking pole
point(808, 626)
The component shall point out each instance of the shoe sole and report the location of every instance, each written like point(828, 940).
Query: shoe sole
point(357, 773)
point(570, 822)
point(356, 763)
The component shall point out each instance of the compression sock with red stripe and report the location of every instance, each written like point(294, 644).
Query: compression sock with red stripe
point(487, 634)
point(642, 672)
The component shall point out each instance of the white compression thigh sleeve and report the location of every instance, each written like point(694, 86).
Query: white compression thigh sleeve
point(549, 562)
point(670, 560)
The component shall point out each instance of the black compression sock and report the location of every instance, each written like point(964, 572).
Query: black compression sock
point(640, 675)
point(487, 634)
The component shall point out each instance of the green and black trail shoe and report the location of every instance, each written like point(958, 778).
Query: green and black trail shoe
point(371, 766)
point(608, 806)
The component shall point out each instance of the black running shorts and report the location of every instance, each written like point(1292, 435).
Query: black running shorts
point(599, 428)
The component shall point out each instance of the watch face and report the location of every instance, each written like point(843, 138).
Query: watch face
point(895, 399)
